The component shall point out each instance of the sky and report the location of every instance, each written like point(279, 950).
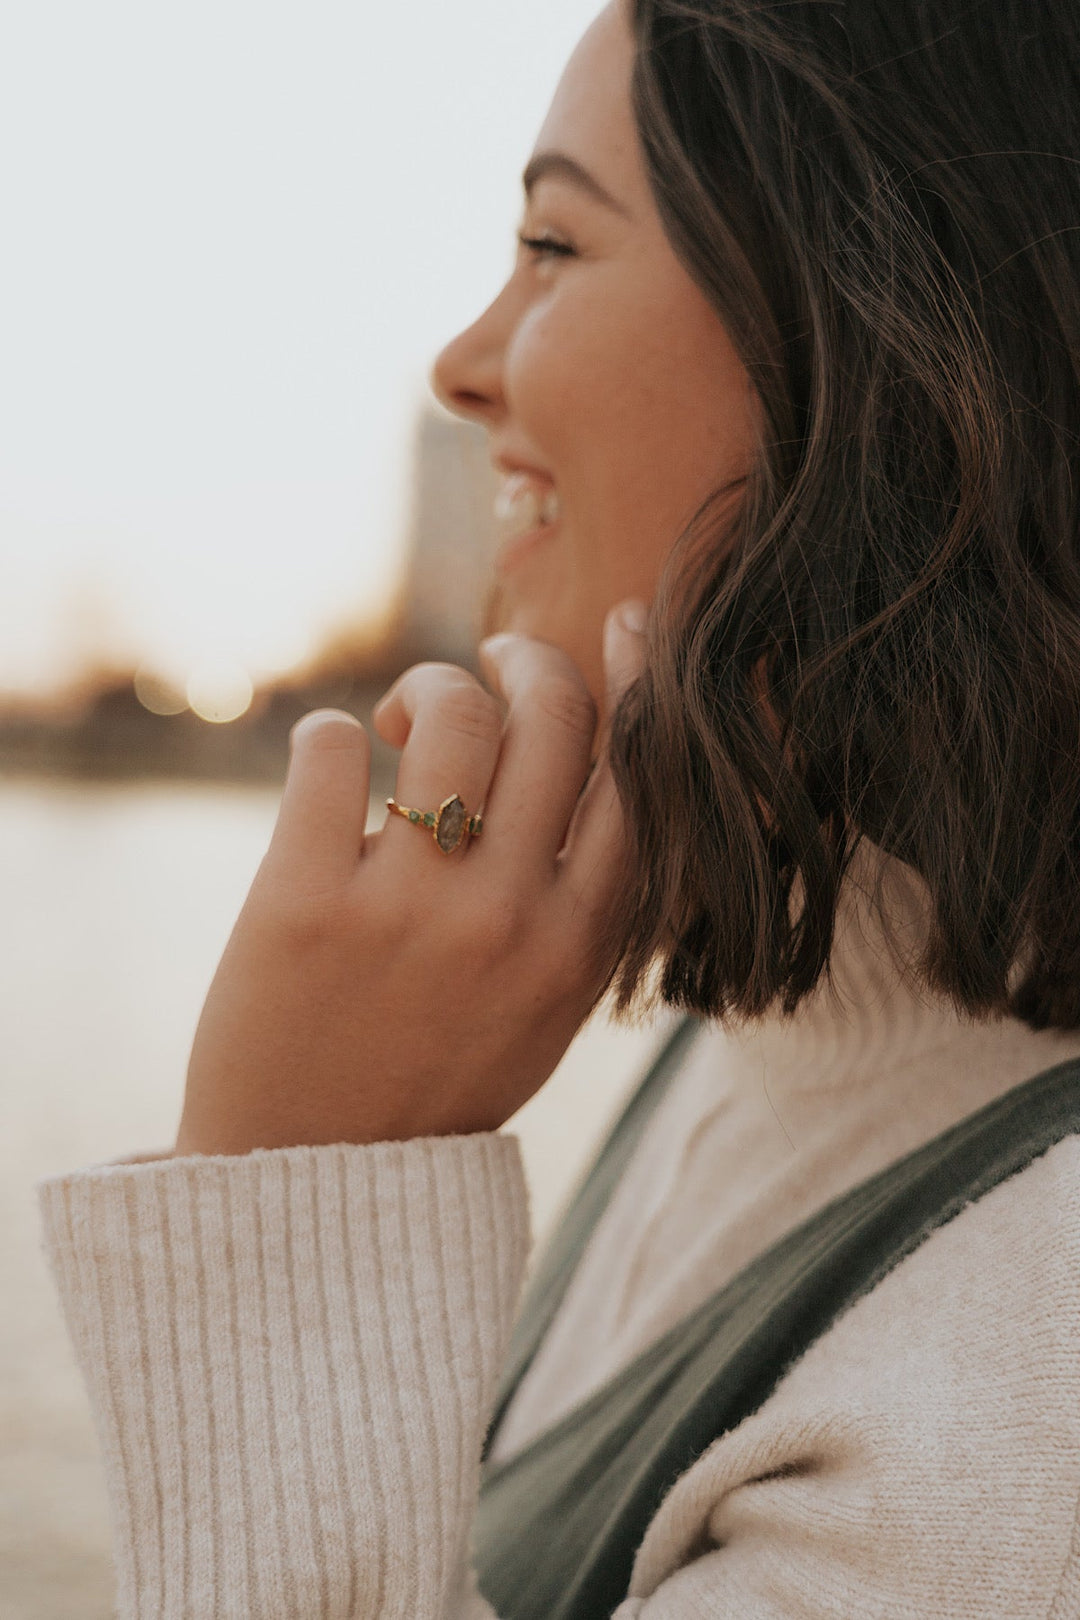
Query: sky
point(236, 233)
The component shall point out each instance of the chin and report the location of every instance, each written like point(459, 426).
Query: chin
point(502, 610)
point(493, 610)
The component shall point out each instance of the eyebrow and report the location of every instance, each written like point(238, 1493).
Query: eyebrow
point(560, 166)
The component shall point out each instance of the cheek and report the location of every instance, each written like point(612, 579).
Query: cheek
point(570, 385)
point(647, 397)
point(582, 390)
point(559, 359)
point(641, 409)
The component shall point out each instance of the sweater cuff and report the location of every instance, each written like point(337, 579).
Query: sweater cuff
point(292, 1358)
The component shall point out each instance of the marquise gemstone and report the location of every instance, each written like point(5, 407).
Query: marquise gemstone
point(451, 825)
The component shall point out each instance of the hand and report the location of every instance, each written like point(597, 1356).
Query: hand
point(376, 989)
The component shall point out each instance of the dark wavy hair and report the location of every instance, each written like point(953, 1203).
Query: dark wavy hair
point(881, 638)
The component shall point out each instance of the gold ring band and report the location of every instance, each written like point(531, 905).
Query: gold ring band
point(449, 824)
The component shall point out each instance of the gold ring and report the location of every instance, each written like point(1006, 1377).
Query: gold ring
point(449, 823)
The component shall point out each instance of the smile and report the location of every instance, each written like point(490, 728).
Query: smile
point(524, 503)
point(527, 512)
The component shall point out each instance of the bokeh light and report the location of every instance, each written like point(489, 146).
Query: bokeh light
point(157, 693)
point(219, 691)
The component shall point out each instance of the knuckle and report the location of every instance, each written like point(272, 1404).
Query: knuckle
point(469, 711)
point(568, 703)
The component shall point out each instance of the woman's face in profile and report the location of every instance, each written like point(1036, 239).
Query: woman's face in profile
point(601, 373)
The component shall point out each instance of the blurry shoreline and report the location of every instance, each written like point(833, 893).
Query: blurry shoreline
point(116, 723)
point(115, 739)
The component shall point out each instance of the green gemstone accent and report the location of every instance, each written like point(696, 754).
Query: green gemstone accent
point(429, 820)
point(414, 815)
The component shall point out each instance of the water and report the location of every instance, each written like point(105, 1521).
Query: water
point(117, 902)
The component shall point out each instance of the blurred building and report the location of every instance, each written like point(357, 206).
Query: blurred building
point(450, 539)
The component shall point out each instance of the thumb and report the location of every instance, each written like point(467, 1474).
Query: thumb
point(624, 648)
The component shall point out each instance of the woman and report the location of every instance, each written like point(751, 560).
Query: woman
point(790, 354)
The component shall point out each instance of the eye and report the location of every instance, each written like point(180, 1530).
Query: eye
point(542, 246)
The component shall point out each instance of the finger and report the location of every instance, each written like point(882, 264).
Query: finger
point(595, 853)
point(324, 806)
point(550, 732)
point(450, 729)
point(624, 649)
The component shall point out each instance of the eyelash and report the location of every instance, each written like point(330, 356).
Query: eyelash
point(545, 244)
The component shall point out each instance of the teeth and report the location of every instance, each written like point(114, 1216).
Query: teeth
point(522, 504)
point(551, 509)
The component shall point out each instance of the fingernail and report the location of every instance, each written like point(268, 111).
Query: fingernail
point(318, 717)
point(497, 642)
point(632, 615)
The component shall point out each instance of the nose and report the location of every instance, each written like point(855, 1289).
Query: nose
point(466, 376)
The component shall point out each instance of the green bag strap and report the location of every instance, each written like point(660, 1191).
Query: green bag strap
point(551, 1279)
point(560, 1521)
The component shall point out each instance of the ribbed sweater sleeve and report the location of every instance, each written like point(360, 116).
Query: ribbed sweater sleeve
point(291, 1359)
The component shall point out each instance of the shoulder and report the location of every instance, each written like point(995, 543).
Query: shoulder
point(930, 1440)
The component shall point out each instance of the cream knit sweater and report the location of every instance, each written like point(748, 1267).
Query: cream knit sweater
point(292, 1356)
